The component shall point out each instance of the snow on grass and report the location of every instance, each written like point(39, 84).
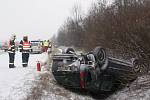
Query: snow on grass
point(138, 90)
point(48, 89)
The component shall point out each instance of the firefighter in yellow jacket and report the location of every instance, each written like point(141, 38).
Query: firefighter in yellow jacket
point(25, 48)
point(11, 51)
point(46, 45)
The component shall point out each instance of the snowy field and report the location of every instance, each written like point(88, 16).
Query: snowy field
point(15, 83)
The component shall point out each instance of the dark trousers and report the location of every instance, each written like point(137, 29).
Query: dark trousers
point(45, 48)
point(25, 59)
point(11, 60)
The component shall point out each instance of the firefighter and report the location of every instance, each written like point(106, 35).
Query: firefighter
point(11, 50)
point(25, 48)
point(46, 45)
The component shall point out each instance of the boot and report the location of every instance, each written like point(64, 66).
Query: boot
point(12, 66)
point(24, 65)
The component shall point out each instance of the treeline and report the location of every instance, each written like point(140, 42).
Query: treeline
point(123, 27)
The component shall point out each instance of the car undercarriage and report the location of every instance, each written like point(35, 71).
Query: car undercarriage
point(93, 71)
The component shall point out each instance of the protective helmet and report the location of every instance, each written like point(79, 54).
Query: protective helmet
point(25, 38)
point(13, 37)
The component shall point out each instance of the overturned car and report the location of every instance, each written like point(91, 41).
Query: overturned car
point(93, 71)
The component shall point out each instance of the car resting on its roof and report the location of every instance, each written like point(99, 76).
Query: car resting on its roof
point(93, 71)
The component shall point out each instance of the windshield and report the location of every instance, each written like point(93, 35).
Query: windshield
point(35, 44)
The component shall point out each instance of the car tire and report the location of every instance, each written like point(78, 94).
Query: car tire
point(100, 55)
point(136, 65)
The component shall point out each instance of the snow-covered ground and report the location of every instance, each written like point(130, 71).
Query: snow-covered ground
point(138, 90)
point(15, 83)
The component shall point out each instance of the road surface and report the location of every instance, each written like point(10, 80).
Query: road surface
point(15, 83)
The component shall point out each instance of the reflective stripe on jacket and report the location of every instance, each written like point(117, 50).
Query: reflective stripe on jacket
point(11, 47)
point(26, 45)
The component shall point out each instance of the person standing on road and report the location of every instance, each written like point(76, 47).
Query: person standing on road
point(25, 48)
point(11, 50)
point(46, 45)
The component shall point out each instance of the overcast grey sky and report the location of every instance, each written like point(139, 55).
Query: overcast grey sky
point(37, 18)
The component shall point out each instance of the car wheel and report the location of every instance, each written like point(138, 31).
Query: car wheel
point(100, 54)
point(136, 65)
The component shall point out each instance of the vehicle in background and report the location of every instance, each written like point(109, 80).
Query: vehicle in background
point(5, 46)
point(36, 47)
